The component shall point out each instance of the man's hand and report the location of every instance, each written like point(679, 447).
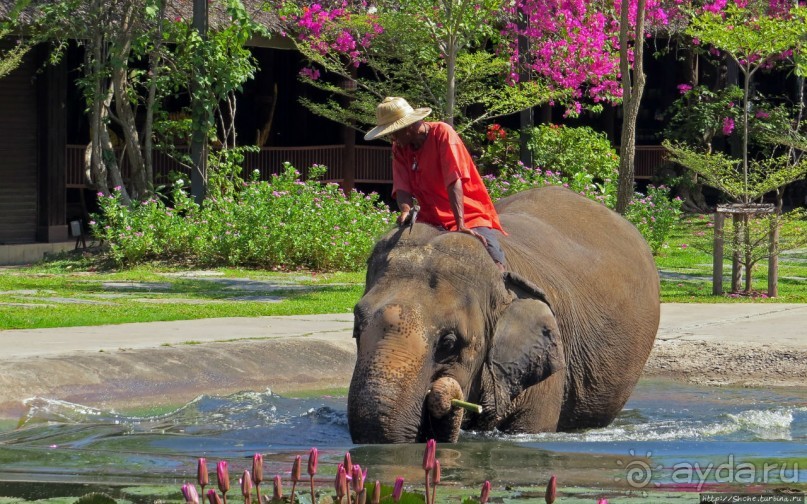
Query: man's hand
point(402, 217)
point(462, 228)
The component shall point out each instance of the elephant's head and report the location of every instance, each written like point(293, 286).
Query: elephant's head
point(437, 322)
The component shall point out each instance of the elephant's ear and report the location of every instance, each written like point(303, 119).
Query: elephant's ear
point(526, 346)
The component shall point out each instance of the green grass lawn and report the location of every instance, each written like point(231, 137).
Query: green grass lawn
point(685, 267)
point(76, 290)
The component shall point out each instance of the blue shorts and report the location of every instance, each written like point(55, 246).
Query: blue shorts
point(494, 247)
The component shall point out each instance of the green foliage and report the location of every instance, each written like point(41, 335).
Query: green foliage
point(578, 158)
point(654, 215)
point(11, 58)
point(725, 173)
point(697, 116)
point(284, 223)
point(750, 37)
point(572, 150)
point(581, 160)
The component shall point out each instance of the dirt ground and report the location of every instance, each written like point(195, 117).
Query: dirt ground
point(739, 364)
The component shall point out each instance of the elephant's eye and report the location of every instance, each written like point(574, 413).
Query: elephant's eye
point(446, 346)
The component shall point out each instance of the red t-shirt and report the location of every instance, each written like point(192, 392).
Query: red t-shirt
point(427, 172)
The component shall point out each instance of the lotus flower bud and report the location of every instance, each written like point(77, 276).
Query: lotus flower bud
point(190, 494)
point(213, 497)
point(376, 493)
point(429, 454)
point(246, 485)
point(201, 473)
point(340, 484)
point(436, 472)
point(313, 457)
point(348, 464)
point(296, 469)
point(483, 497)
point(257, 468)
point(278, 488)
point(551, 488)
point(223, 475)
point(361, 497)
point(358, 478)
point(397, 490)
point(602, 501)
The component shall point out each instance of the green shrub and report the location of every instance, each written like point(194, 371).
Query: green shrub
point(283, 223)
point(655, 215)
point(572, 150)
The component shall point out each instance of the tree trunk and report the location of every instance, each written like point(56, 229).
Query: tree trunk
point(155, 59)
point(632, 89)
point(451, 66)
point(123, 107)
point(108, 150)
point(93, 65)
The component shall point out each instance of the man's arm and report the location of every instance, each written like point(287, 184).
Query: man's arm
point(405, 201)
point(455, 199)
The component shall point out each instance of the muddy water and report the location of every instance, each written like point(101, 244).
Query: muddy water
point(668, 436)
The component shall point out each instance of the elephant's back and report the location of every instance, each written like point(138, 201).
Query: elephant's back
point(602, 282)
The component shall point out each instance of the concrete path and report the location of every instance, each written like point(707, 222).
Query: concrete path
point(129, 365)
point(784, 324)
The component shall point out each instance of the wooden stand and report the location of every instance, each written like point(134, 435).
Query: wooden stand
point(743, 213)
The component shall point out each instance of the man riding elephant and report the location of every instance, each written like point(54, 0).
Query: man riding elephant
point(431, 164)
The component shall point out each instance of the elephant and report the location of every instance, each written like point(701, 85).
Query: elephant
point(555, 343)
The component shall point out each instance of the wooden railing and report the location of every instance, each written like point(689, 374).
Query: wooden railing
point(648, 158)
point(373, 164)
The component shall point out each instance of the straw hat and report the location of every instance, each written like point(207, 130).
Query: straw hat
point(393, 114)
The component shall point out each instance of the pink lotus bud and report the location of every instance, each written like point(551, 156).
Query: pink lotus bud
point(278, 492)
point(483, 497)
point(376, 493)
point(201, 473)
point(296, 469)
point(397, 490)
point(257, 468)
point(358, 478)
point(223, 475)
point(348, 464)
point(190, 494)
point(602, 501)
point(246, 484)
point(436, 472)
point(213, 497)
point(340, 483)
point(361, 496)
point(313, 457)
point(429, 454)
point(551, 488)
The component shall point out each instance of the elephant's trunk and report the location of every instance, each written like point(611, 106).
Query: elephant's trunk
point(380, 411)
point(442, 392)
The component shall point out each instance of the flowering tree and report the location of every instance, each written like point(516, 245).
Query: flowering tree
point(440, 54)
point(755, 36)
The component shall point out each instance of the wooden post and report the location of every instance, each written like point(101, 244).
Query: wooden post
point(736, 275)
point(717, 259)
point(773, 259)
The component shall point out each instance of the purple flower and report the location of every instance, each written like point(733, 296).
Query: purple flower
point(190, 494)
point(397, 490)
point(683, 88)
point(728, 125)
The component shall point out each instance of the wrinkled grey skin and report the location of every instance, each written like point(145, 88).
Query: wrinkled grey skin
point(557, 344)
